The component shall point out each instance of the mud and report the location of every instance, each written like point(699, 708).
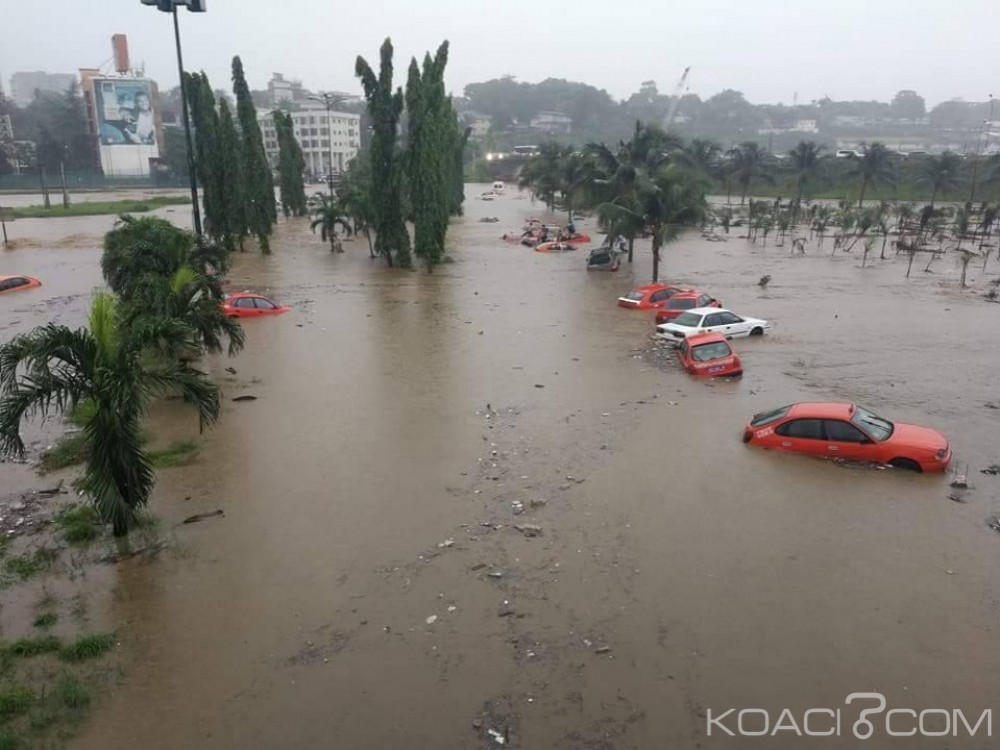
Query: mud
point(399, 437)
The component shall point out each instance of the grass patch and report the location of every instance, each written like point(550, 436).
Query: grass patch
point(178, 453)
point(88, 647)
point(14, 701)
point(45, 620)
point(96, 208)
point(72, 693)
point(79, 524)
point(23, 567)
point(69, 450)
point(26, 647)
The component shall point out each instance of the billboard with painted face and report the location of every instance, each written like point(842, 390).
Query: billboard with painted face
point(125, 112)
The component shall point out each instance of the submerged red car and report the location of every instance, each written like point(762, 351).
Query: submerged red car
point(18, 283)
point(709, 355)
point(251, 306)
point(688, 299)
point(649, 297)
point(850, 432)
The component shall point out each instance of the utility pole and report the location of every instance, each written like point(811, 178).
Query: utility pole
point(329, 100)
point(194, 6)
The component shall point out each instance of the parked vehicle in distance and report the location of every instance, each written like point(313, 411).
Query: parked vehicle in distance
point(848, 431)
point(686, 300)
point(18, 283)
point(248, 305)
point(709, 355)
point(711, 320)
point(556, 247)
point(649, 297)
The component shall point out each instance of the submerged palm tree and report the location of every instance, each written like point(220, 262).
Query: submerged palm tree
point(328, 215)
point(874, 167)
point(942, 173)
point(805, 165)
point(750, 161)
point(543, 173)
point(105, 366)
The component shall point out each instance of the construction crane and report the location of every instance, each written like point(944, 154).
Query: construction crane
point(675, 100)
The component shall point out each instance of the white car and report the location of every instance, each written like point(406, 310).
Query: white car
point(711, 320)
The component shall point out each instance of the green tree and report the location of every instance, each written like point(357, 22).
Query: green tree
point(384, 107)
point(703, 156)
point(232, 200)
point(106, 367)
point(208, 156)
point(543, 173)
point(430, 155)
point(291, 164)
point(942, 173)
point(749, 162)
point(261, 212)
point(805, 165)
point(354, 194)
point(874, 167)
point(328, 215)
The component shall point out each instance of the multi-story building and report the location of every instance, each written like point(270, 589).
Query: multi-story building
point(24, 84)
point(329, 140)
point(280, 90)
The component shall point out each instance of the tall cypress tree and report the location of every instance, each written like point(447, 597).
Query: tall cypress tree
point(384, 108)
point(207, 158)
point(260, 208)
point(459, 138)
point(291, 163)
point(233, 201)
point(430, 152)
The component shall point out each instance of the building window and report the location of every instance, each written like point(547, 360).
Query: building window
point(324, 131)
point(325, 143)
point(312, 120)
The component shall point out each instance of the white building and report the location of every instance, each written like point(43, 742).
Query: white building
point(552, 122)
point(280, 90)
point(322, 135)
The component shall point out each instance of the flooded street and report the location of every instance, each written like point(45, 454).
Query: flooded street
point(367, 587)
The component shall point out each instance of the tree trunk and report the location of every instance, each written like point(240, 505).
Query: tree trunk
point(864, 187)
point(631, 242)
point(371, 248)
point(656, 262)
point(934, 196)
point(909, 265)
point(881, 255)
point(965, 268)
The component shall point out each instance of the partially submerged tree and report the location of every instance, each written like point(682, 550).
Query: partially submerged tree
point(328, 215)
point(942, 173)
point(260, 209)
point(291, 164)
point(54, 368)
point(874, 167)
point(385, 106)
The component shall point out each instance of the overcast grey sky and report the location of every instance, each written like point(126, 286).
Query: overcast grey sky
point(768, 49)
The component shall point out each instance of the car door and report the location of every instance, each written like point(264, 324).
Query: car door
point(733, 326)
point(802, 436)
point(246, 307)
point(265, 306)
point(713, 322)
point(659, 298)
point(682, 355)
point(846, 441)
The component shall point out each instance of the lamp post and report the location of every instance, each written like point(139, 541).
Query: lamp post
point(194, 6)
point(329, 100)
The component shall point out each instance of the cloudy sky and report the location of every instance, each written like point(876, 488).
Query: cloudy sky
point(768, 49)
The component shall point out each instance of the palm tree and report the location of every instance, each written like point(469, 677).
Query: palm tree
point(666, 202)
point(942, 172)
point(702, 156)
point(355, 198)
point(138, 249)
point(194, 301)
point(874, 167)
point(750, 161)
point(328, 215)
point(104, 366)
point(543, 173)
point(805, 165)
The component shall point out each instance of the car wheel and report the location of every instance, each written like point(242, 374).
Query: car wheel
point(906, 464)
point(758, 331)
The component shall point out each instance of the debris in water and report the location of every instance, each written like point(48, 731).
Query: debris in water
point(993, 522)
point(993, 470)
point(539, 502)
point(245, 398)
point(495, 574)
point(957, 497)
point(231, 370)
point(539, 385)
point(529, 529)
point(447, 543)
point(202, 516)
point(431, 620)
point(506, 611)
point(496, 736)
point(602, 650)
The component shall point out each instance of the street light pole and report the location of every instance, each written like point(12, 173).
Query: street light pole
point(195, 6)
point(196, 211)
point(329, 101)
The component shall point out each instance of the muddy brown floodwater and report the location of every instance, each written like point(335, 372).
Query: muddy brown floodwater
point(368, 587)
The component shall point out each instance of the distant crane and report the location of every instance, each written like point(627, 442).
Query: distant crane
point(675, 100)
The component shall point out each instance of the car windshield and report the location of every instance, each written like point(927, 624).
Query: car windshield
point(766, 417)
point(681, 304)
point(635, 294)
point(880, 429)
point(715, 350)
point(688, 320)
